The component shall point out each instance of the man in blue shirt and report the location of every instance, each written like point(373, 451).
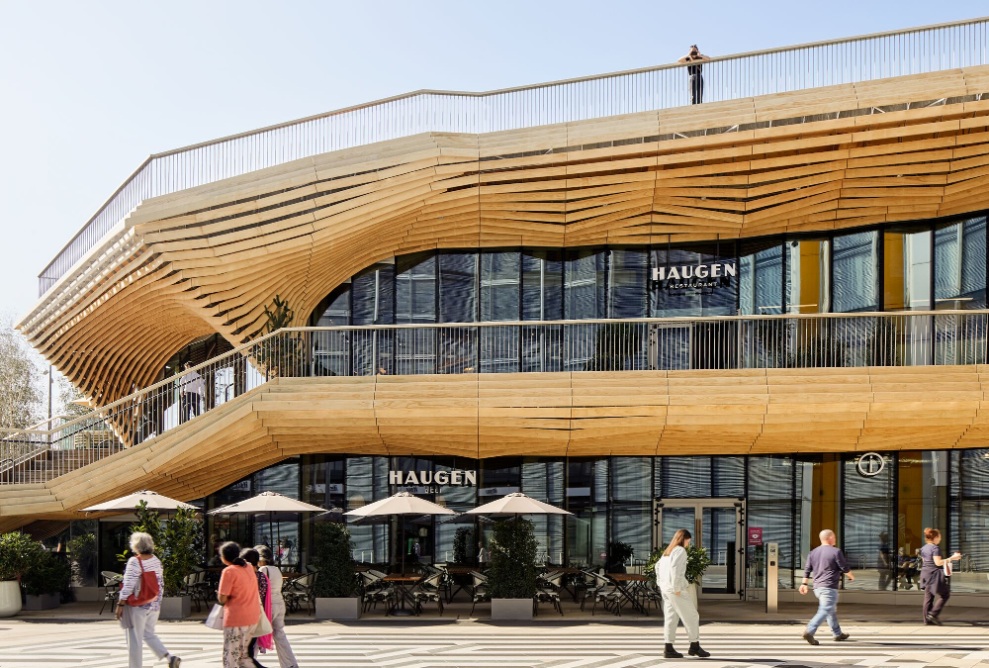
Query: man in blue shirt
point(827, 563)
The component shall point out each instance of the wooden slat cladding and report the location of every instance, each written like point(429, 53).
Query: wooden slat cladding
point(207, 260)
point(637, 413)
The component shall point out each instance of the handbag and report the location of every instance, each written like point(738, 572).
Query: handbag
point(262, 628)
point(214, 619)
point(126, 619)
point(147, 589)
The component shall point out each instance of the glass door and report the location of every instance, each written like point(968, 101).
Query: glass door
point(715, 524)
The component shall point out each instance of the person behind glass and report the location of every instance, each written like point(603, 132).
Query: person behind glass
point(286, 658)
point(191, 387)
point(884, 562)
point(143, 618)
point(827, 563)
point(238, 594)
point(482, 554)
point(933, 580)
point(251, 556)
point(906, 567)
point(694, 56)
point(678, 603)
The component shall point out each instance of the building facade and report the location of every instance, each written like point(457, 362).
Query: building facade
point(756, 318)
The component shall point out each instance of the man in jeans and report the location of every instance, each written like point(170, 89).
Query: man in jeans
point(827, 563)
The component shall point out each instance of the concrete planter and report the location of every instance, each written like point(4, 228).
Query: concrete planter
point(175, 607)
point(511, 609)
point(10, 598)
point(88, 594)
point(42, 602)
point(338, 609)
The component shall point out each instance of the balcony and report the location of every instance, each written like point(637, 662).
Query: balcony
point(685, 348)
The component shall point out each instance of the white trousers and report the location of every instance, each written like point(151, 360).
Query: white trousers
point(143, 631)
point(680, 609)
point(286, 658)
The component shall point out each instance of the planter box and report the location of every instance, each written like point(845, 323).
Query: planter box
point(511, 608)
point(175, 607)
point(88, 594)
point(10, 598)
point(42, 602)
point(339, 609)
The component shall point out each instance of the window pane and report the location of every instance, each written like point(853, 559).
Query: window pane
point(867, 521)
point(907, 270)
point(960, 265)
point(856, 286)
point(760, 278)
point(807, 276)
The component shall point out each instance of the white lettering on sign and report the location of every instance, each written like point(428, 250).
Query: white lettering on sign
point(456, 477)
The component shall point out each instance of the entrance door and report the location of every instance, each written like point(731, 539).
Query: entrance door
point(715, 524)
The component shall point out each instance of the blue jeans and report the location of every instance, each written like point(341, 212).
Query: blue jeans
point(827, 609)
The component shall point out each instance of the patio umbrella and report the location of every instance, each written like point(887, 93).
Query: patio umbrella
point(128, 503)
point(271, 504)
point(517, 504)
point(400, 504)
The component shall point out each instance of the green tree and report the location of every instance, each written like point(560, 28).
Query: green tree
point(21, 396)
point(513, 560)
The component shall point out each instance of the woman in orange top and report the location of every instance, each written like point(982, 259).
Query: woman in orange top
point(238, 594)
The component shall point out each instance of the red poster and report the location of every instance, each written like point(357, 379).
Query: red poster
point(755, 535)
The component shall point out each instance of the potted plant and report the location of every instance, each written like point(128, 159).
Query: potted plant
point(618, 554)
point(697, 562)
point(44, 581)
point(335, 584)
point(512, 576)
point(179, 546)
point(463, 543)
point(16, 552)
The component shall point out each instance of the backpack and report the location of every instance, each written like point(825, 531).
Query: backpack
point(147, 590)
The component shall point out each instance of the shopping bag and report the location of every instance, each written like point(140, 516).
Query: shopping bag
point(126, 618)
point(262, 628)
point(214, 619)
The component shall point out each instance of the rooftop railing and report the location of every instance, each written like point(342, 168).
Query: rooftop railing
point(915, 51)
point(736, 342)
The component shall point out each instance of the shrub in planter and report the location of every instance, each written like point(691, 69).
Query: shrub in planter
point(179, 546)
point(463, 544)
point(513, 560)
point(332, 560)
point(618, 554)
point(17, 553)
point(47, 578)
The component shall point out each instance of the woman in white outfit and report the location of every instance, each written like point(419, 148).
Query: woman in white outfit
point(678, 604)
point(286, 658)
point(142, 618)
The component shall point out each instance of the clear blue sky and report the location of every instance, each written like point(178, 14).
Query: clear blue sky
point(90, 89)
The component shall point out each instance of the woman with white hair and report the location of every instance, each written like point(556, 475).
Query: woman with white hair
point(142, 619)
point(286, 658)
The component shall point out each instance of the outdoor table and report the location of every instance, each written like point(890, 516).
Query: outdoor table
point(627, 583)
point(403, 584)
point(567, 582)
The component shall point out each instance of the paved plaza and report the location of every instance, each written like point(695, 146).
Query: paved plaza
point(737, 635)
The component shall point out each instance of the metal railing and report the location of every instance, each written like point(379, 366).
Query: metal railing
point(915, 51)
point(735, 342)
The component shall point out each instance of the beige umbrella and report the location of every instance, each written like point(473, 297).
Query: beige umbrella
point(400, 504)
point(271, 504)
point(517, 504)
point(128, 503)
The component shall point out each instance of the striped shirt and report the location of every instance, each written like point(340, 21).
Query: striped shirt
point(132, 580)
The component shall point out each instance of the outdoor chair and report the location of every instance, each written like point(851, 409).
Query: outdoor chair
point(479, 590)
point(111, 589)
point(548, 589)
point(299, 592)
point(374, 591)
point(602, 591)
point(198, 589)
point(429, 590)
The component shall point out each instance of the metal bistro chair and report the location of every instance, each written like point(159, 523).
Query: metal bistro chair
point(111, 589)
point(602, 591)
point(374, 591)
point(548, 589)
point(300, 591)
point(479, 590)
point(198, 588)
point(429, 590)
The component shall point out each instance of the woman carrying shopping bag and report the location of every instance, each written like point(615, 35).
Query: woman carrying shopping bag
point(286, 658)
point(238, 594)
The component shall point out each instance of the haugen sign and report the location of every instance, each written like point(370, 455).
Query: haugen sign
point(677, 277)
point(429, 482)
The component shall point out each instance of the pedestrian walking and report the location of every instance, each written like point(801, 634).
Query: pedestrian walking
point(286, 657)
point(253, 558)
point(678, 602)
point(828, 564)
point(139, 621)
point(238, 594)
point(935, 576)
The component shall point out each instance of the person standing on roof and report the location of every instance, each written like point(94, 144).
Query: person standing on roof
point(694, 56)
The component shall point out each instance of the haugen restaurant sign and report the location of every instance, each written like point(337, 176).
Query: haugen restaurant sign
point(679, 277)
